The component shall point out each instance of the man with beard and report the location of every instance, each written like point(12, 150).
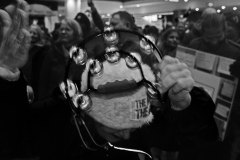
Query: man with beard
point(213, 38)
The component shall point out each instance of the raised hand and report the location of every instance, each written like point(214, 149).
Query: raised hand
point(15, 39)
point(175, 78)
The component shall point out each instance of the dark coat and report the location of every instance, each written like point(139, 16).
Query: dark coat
point(32, 68)
point(15, 120)
point(227, 48)
point(171, 131)
point(53, 71)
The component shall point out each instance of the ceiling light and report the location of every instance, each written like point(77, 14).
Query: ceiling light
point(173, 0)
point(121, 6)
point(234, 8)
point(138, 5)
point(218, 10)
point(185, 0)
point(197, 9)
point(210, 4)
point(223, 7)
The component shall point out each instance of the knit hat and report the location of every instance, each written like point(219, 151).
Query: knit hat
point(117, 77)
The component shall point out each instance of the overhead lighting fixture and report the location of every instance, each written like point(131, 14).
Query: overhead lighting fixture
point(197, 9)
point(234, 8)
point(173, 0)
point(185, 0)
point(121, 6)
point(210, 4)
point(166, 13)
point(223, 7)
point(138, 5)
point(218, 10)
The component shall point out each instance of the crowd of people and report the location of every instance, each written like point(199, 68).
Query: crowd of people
point(43, 128)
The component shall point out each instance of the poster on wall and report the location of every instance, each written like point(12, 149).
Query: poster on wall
point(211, 72)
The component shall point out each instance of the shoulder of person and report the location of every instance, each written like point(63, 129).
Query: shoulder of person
point(195, 42)
point(234, 44)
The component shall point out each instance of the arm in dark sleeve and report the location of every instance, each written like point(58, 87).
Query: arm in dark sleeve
point(97, 18)
point(57, 136)
point(187, 129)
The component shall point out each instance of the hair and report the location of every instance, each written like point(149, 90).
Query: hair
point(126, 17)
point(84, 23)
point(214, 20)
point(152, 30)
point(76, 29)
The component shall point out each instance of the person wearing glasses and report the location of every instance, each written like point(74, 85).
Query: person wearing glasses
point(110, 113)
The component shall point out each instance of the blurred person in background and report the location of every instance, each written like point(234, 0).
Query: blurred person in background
point(56, 59)
point(195, 31)
point(122, 20)
point(119, 20)
point(153, 32)
point(37, 52)
point(181, 30)
point(168, 42)
point(233, 26)
point(213, 38)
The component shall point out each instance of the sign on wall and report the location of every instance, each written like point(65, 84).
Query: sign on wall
point(211, 72)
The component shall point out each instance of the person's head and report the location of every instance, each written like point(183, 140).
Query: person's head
point(233, 25)
point(208, 11)
point(36, 34)
point(170, 38)
point(181, 27)
point(122, 20)
point(70, 32)
point(84, 23)
point(213, 29)
point(205, 12)
point(152, 31)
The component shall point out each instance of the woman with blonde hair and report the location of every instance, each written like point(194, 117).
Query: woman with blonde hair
point(53, 68)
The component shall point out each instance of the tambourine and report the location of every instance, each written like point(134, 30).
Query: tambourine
point(117, 51)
